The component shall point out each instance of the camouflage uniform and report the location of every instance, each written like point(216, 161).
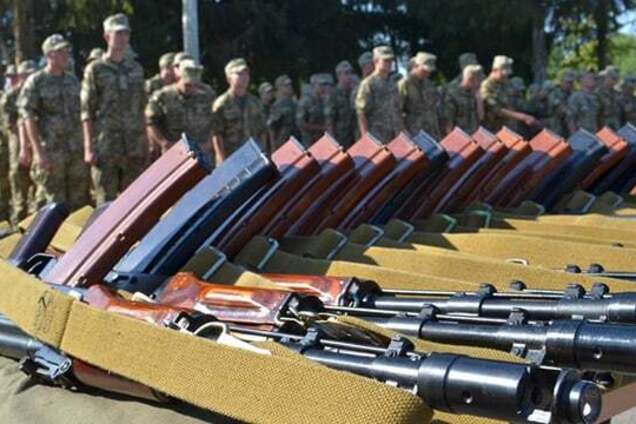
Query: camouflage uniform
point(628, 100)
point(341, 116)
point(584, 110)
point(282, 121)
point(610, 108)
point(53, 102)
point(497, 96)
point(5, 190)
point(460, 108)
point(113, 98)
point(153, 84)
point(311, 110)
point(378, 100)
point(175, 113)
point(557, 111)
point(419, 100)
point(236, 119)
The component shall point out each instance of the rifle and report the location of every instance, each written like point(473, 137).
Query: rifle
point(597, 270)
point(39, 234)
point(130, 216)
point(200, 214)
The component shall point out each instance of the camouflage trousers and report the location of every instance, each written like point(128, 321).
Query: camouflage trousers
point(66, 182)
point(22, 188)
point(5, 189)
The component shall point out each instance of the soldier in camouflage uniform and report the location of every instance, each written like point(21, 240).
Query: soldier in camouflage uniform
point(238, 115)
point(166, 75)
point(183, 107)
point(310, 115)
point(558, 103)
point(266, 96)
point(49, 103)
point(11, 75)
point(583, 106)
point(463, 106)
point(419, 98)
point(365, 61)
point(19, 148)
point(341, 116)
point(464, 60)
point(378, 99)
point(12, 79)
point(628, 100)
point(113, 101)
point(608, 98)
point(495, 90)
point(282, 118)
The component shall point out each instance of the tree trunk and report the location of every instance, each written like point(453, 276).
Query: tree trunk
point(23, 30)
point(601, 18)
point(539, 46)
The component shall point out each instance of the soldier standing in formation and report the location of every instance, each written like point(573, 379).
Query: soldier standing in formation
point(113, 101)
point(419, 98)
point(378, 99)
point(5, 190)
point(341, 116)
point(282, 118)
point(310, 115)
point(627, 100)
point(182, 107)
point(463, 105)
point(165, 77)
point(583, 106)
point(49, 103)
point(610, 109)
point(238, 115)
point(465, 59)
point(558, 103)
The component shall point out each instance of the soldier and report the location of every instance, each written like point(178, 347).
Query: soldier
point(341, 116)
point(628, 100)
point(166, 75)
point(583, 109)
point(610, 113)
point(463, 106)
point(419, 98)
point(498, 108)
point(11, 76)
point(365, 61)
point(378, 99)
point(183, 107)
point(113, 101)
point(266, 95)
point(20, 152)
point(310, 115)
point(558, 103)
point(238, 115)
point(49, 103)
point(464, 60)
point(282, 117)
point(12, 79)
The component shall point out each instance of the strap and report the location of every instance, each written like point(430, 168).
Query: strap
point(283, 387)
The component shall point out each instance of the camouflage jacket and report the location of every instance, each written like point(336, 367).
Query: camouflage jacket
point(341, 116)
point(584, 110)
point(496, 96)
point(419, 101)
point(378, 100)
point(153, 84)
point(236, 119)
point(558, 111)
point(460, 108)
point(610, 113)
point(175, 113)
point(311, 110)
point(628, 108)
point(9, 108)
point(282, 121)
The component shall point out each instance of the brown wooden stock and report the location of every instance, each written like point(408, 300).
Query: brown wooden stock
point(617, 150)
point(328, 289)
point(130, 216)
point(410, 162)
point(247, 305)
point(334, 164)
point(373, 161)
point(463, 152)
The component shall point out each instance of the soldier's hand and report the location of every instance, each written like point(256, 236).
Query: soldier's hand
point(43, 162)
point(90, 158)
point(531, 121)
point(25, 158)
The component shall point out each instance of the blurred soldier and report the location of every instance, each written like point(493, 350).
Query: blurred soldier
point(12, 80)
point(238, 115)
point(464, 60)
point(182, 107)
point(266, 95)
point(49, 103)
point(607, 95)
point(583, 106)
point(113, 101)
point(310, 115)
point(365, 61)
point(378, 99)
point(166, 75)
point(558, 103)
point(419, 98)
point(498, 108)
point(628, 100)
point(178, 57)
point(341, 116)
point(20, 152)
point(463, 106)
point(282, 117)
point(11, 75)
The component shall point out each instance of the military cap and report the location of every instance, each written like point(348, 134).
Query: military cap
point(27, 67)
point(629, 79)
point(568, 75)
point(264, 88)
point(502, 62)
point(235, 66)
point(189, 71)
point(471, 70)
point(547, 86)
point(117, 22)
point(426, 60)
point(466, 59)
point(326, 79)
point(283, 80)
point(54, 42)
point(166, 60)
point(181, 56)
point(314, 79)
point(518, 83)
point(365, 59)
point(383, 52)
point(95, 53)
point(10, 71)
point(343, 66)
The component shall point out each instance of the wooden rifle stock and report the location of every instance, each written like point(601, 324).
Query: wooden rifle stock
point(130, 216)
point(618, 178)
point(618, 149)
